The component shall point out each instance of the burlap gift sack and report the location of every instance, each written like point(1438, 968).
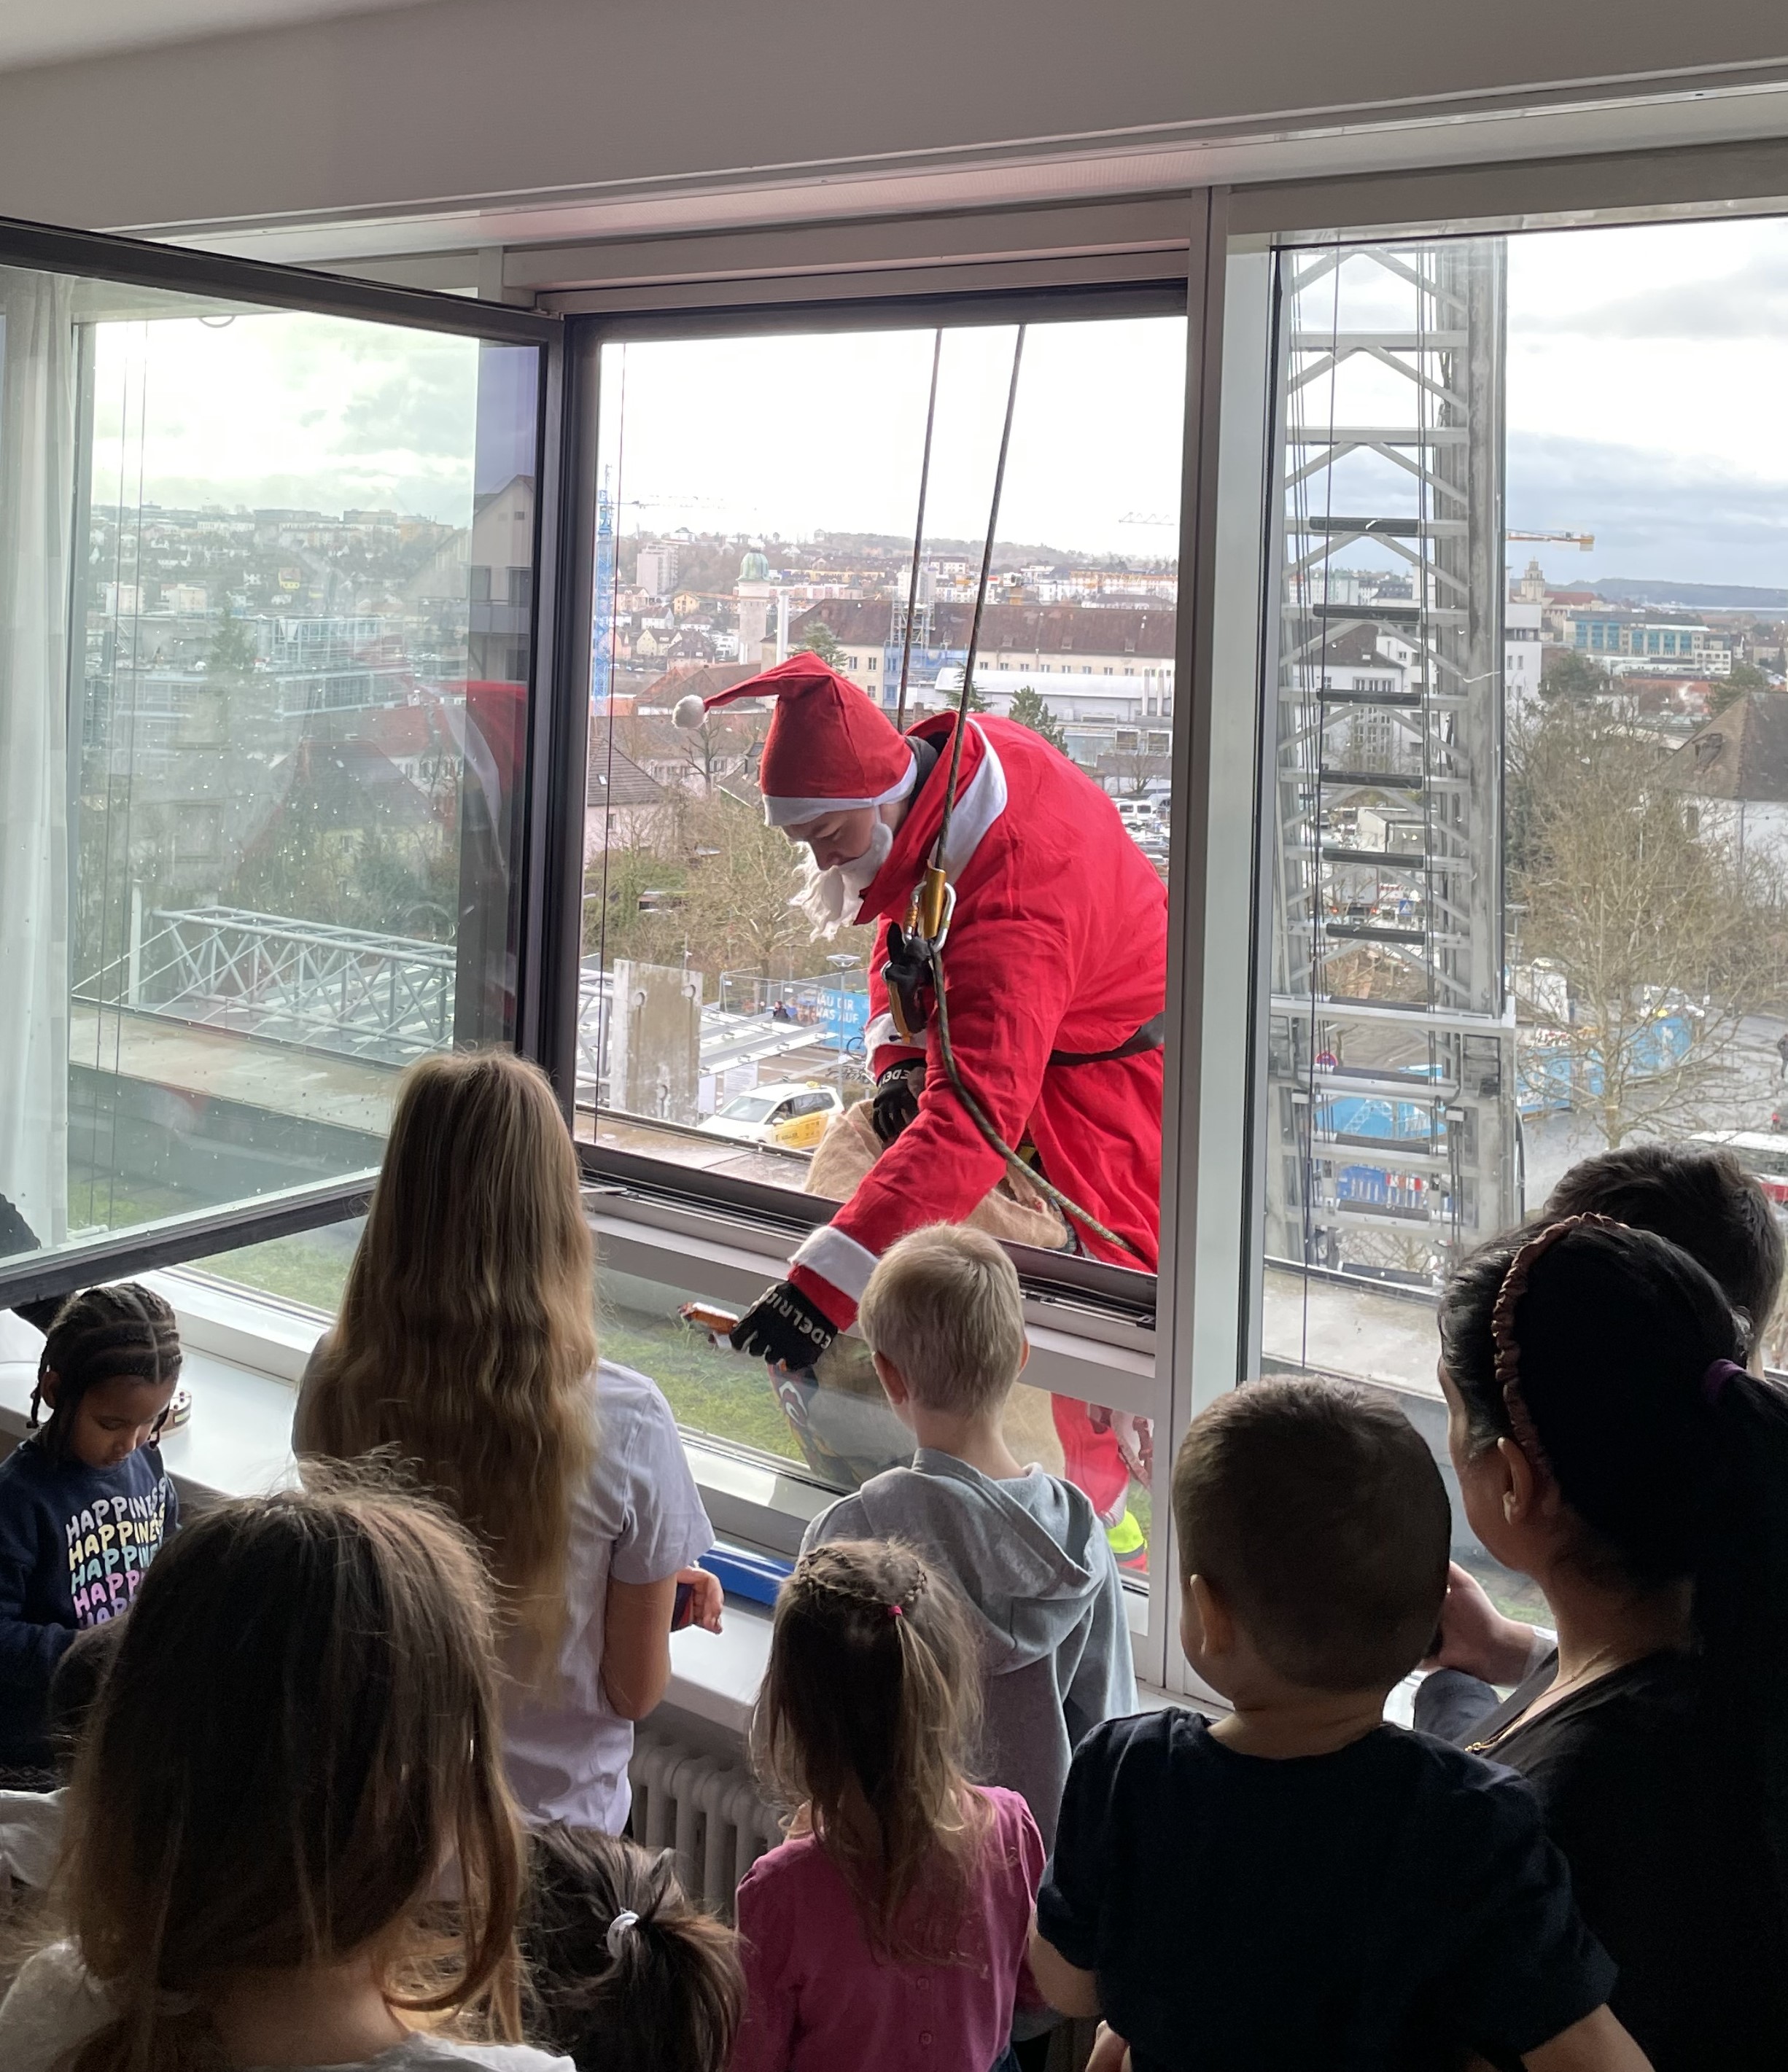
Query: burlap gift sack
point(842, 1418)
point(1014, 1211)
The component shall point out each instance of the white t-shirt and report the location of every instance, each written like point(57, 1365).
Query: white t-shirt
point(640, 1519)
point(54, 2005)
point(30, 1834)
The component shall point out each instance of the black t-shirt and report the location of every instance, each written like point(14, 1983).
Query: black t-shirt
point(1388, 1907)
point(1660, 1817)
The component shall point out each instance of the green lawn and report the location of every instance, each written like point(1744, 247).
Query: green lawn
point(309, 1268)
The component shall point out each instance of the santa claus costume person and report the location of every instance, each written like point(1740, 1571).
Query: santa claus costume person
point(1056, 961)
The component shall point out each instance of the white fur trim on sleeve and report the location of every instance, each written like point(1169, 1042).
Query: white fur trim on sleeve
point(883, 1035)
point(688, 713)
point(837, 1259)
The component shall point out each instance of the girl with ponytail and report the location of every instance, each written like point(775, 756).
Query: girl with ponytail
point(889, 1929)
point(1610, 1444)
point(626, 1973)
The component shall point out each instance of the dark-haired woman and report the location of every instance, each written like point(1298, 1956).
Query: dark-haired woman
point(85, 1501)
point(1610, 1445)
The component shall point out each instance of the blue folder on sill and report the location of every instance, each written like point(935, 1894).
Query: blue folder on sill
point(755, 1576)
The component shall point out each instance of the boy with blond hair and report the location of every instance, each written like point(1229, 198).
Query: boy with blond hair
point(944, 1320)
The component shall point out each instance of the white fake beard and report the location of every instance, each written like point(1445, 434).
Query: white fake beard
point(831, 899)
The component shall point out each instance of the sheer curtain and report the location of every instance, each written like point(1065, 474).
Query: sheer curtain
point(37, 475)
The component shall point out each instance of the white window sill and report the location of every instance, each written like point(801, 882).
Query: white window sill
point(243, 1354)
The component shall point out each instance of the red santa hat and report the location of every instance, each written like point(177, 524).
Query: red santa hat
point(829, 748)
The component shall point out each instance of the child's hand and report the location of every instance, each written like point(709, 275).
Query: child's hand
point(1110, 2052)
point(708, 1598)
point(1474, 1635)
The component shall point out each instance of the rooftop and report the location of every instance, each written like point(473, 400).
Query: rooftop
point(1742, 753)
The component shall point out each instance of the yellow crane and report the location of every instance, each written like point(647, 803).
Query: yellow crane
point(1586, 540)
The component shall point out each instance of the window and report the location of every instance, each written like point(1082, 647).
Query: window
point(724, 1046)
point(1444, 1024)
point(272, 856)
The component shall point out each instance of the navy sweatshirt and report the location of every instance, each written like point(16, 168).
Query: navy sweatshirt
point(75, 1543)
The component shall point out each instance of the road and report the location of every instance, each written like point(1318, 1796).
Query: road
point(1556, 1142)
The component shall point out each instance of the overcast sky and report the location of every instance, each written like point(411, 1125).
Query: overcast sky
point(1647, 398)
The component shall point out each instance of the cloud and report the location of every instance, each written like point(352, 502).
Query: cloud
point(1653, 514)
point(1750, 305)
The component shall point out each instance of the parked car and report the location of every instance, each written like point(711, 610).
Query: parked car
point(791, 1114)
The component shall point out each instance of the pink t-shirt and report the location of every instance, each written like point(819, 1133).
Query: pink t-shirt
point(818, 1998)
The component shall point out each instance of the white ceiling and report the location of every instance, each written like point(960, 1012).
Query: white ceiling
point(35, 33)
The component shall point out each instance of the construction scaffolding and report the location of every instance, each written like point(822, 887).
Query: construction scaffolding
point(1391, 1132)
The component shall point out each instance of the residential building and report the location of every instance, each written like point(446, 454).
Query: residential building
point(1118, 659)
point(1734, 770)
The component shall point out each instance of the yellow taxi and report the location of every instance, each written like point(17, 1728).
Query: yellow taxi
point(792, 1115)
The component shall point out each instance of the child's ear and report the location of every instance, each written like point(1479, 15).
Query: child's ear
point(49, 1382)
point(892, 1381)
point(1216, 1628)
point(1024, 1357)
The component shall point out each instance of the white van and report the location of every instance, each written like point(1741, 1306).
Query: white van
point(1138, 815)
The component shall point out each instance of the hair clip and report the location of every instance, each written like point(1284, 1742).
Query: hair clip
point(618, 1929)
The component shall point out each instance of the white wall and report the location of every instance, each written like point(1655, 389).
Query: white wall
point(410, 107)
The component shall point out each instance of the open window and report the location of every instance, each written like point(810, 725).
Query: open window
point(264, 733)
point(757, 490)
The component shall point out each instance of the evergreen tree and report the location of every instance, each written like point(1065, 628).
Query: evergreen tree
point(818, 638)
point(1029, 709)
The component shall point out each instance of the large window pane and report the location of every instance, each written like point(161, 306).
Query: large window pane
point(261, 736)
point(758, 499)
point(1523, 648)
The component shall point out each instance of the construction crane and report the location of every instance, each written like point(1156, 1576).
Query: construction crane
point(1586, 540)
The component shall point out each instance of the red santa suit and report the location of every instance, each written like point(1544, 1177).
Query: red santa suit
point(1058, 947)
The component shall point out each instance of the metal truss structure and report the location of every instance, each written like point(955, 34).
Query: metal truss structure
point(385, 998)
point(1390, 1129)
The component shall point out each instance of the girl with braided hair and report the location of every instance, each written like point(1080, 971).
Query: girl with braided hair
point(85, 1500)
point(889, 1929)
point(1611, 1445)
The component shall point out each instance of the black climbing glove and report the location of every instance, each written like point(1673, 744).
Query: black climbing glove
point(895, 1102)
point(784, 1327)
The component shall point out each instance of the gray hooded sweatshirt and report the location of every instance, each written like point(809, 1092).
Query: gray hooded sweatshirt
point(1034, 1564)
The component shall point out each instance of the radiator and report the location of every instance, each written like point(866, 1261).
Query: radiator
point(709, 1812)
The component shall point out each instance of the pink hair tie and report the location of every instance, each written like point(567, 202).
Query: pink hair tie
point(896, 1611)
point(1719, 1373)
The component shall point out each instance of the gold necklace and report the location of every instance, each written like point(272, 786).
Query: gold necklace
point(1603, 1664)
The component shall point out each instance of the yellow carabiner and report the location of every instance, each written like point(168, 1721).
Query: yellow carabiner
point(930, 899)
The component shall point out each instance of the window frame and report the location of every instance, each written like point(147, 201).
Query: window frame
point(1207, 250)
point(130, 262)
point(1095, 1327)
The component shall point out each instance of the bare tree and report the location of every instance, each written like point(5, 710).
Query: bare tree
point(1661, 940)
point(736, 902)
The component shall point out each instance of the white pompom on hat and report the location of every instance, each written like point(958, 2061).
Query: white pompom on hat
point(829, 749)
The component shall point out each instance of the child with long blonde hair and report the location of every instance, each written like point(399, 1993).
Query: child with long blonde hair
point(889, 1931)
point(297, 1736)
point(465, 1349)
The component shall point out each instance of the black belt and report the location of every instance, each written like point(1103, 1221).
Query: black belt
point(1151, 1036)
